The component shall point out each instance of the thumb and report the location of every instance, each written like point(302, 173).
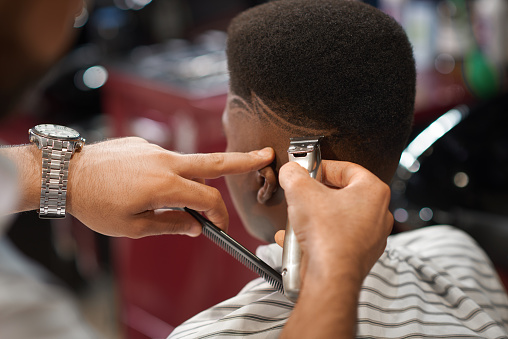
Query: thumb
point(291, 174)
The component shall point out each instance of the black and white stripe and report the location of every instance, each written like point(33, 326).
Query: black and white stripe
point(430, 283)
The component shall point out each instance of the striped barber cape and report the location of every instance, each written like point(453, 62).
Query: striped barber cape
point(433, 282)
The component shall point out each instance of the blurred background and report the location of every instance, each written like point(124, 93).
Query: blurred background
point(157, 69)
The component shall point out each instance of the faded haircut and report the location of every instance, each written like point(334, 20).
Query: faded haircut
point(329, 64)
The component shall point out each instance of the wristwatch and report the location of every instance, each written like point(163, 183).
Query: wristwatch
point(58, 144)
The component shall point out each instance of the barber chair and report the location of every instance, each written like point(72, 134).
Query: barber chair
point(455, 171)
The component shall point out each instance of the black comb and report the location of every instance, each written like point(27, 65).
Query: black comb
point(240, 253)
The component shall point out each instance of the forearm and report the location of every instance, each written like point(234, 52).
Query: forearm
point(327, 306)
point(28, 162)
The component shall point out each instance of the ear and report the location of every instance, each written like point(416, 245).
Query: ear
point(267, 181)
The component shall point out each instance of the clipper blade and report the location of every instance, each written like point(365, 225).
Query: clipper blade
point(306, 152)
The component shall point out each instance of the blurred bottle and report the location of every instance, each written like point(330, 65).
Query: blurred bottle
point(490, 28)
point(486, 70)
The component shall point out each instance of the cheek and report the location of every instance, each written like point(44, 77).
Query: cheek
point(242, 188)
point(243, 194)
point(261, 221)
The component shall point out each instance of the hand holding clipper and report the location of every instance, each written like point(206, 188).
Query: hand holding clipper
point(306, 152)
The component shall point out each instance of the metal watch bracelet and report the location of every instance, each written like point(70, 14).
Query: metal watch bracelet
point(55, 170)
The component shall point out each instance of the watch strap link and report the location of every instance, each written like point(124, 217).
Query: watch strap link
point(56, 155)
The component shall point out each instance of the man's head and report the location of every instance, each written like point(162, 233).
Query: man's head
point(341, 69)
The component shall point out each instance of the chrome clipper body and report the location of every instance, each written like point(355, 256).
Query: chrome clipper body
point(306, 152)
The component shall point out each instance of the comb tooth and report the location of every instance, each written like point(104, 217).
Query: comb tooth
point(239, 252)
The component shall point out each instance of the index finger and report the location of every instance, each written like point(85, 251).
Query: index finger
point(214, 165)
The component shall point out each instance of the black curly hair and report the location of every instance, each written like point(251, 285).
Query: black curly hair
point(329, 64)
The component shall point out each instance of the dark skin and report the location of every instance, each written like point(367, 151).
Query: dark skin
point(342, 228)
point(261, 217)
point(41, 31)
point(257, 196)
point(336, 257)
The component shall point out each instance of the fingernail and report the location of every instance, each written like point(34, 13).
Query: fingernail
point(265, 152)
point(194, 230)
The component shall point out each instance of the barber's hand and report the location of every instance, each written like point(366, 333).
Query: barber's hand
point(342, 229)
point(120, 187)
point(344, 224)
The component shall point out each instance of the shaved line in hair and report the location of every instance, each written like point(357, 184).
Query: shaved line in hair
point(259, 109)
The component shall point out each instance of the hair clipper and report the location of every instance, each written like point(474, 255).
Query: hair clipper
point(306, 152)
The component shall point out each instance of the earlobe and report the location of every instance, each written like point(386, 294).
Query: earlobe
point(268, 181)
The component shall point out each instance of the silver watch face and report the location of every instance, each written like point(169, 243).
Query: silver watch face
point(56, 131)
